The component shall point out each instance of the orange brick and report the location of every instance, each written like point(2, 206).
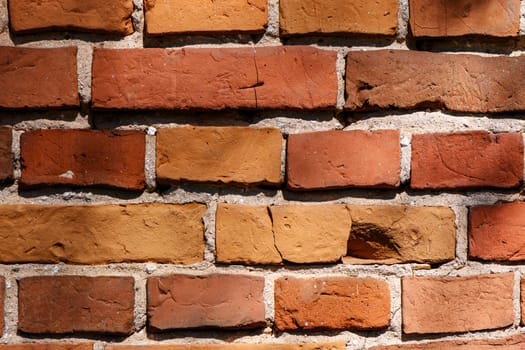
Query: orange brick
point(510, 343)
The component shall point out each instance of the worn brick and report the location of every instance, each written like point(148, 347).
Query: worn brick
point(299, 17)
point(401, 234)
point(339, 159)
point(245, 156)
point(88, 16)
point(48, 346)
point(6, 154)
point(218, 301)
point(497, 232)
point(461, 304)
point(510, 343)
point(244, 234)
point(204, 17)
point(76, 304)
point(401, 79)
point(317, 346)
point(297, 77)
point(102, 234)
point(445, 18)
point(311, 234)
point(332, 303)
point(83, 158)
point(55, 70)
point(467, 160)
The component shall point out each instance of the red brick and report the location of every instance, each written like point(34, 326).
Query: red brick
point(332, 303)
point(510, 343)
point(340, 159)
point(248, 346)
point(83, 158)
point(402, 79)
point(429, 18)
point(238, 155)
point(38, 78)
point(88, 16)
point(297, 77)
point(467, 160)
point(202, 16)
point(48, 346)
point(102, 234)
point(76, 304)
point(497, 232)
point(452, 305)
point(298, 17)
point(6, 155)
point(217, 301)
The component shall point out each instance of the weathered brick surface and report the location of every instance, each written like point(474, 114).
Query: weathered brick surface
point(297, 77)
point(339, 159)
point(83, 158)
point(2, 304)
point(467, 160)
point(497, 18)
point(38, 78)
point(6, 154)
point(92, 16)
point(202, 16)
point(186, 301)
point(522, 302)
point(399, 79)
point(317, 346)
point(76, 304)
point(332, 303)
point(400, 234)
point(338, 17)
point(102, 234)
point(497, 232)
point(510, 343)
point(311, 234)
point(450, 305)
point(246, 156)
point(48, 346)
point(244, 234)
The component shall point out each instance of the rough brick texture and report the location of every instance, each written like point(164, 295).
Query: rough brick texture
point(55, 70)
point(186, 301)
point(76, 304)
point(102, 234)
point(450, 305)
point(311, 234)
point(429, 18)
point(296, 77)
point(497, 232)
point(91, 16)
point(467, 160)
point(6, 155)
point(335, 303)
point(399, 79)
point(400, 234)
point(319, 346)
point(339, 159)
point(522, 302)
point(2, 304)
point(48, 346)
point(299, 17)
point(83, 158)
point(510, 343)
point(245, 156)
point(202, 16)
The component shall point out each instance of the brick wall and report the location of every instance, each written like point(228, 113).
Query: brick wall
point(253, 174)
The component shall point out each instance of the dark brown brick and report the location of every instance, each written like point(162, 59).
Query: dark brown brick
point(83, 158)
point(295, 77)
point(76, 304)
point(6, 154)
point(38, 78)
point(217, 301)
point(402, 79)
point(78, 15)
point(467, 160)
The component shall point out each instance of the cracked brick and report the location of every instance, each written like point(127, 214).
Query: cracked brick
point(76, 304)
